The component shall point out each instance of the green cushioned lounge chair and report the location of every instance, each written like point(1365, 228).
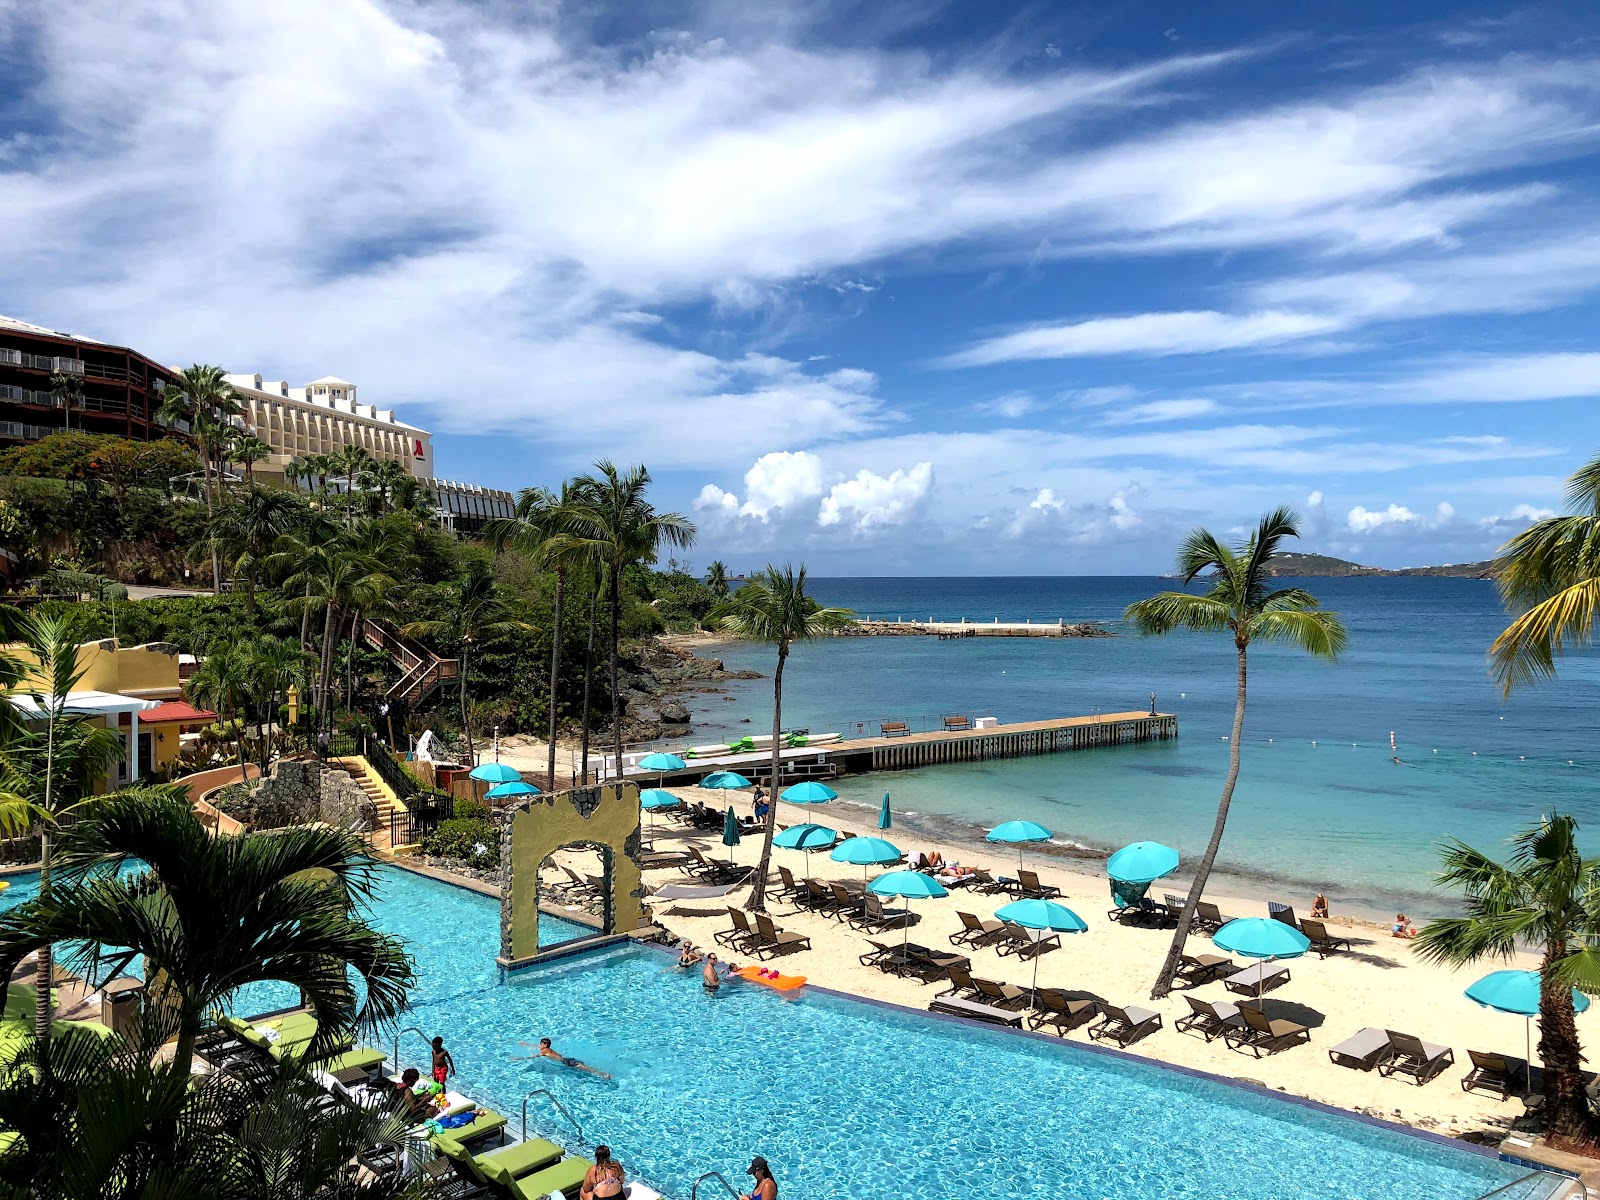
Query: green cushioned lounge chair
point(500, 1168)
point(563, 1177)
point(364, 1057)
point(482, 1127)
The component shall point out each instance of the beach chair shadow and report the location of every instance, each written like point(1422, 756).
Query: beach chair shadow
point(1291, 1010)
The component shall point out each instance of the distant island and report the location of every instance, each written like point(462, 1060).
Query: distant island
point(1324, 566)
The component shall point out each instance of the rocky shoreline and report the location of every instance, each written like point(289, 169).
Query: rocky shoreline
point(654, 676)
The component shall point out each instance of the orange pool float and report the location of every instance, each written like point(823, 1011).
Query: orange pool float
point(783, 983)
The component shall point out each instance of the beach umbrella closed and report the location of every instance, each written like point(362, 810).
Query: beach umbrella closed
point(495, 772)
point(1142, 862)
point(865, 852)
point(1018, 833)
point(730, 832)
point(1041, 914)
point(724, 781)
point(1261, 937)
point(1517, 992)
point(809, 838)
point(913, 885)
point(809, 792)
point(505, 791)
point(885, 817)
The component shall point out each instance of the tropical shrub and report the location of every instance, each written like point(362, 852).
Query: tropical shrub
point(473, 840)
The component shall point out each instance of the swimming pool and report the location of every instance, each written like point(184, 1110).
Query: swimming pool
point(850, 1099)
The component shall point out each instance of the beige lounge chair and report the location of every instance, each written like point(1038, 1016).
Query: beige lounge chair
point(1210, 1019)
point(1030, 888)
point(982, 881)
point(1196, 969)
point(1415, 1058)
point(1264, 1035)
point(1262, 977)
point(1362, 1050)
point(740, 936)
point(1001, 995)
point(962, 984)
point(1323, 942)
point(1208, 917)
point(974, 1010)
point(1492, 1073)
point(776, 941)
point(1027, 943)
point(1124, 1025)
point(976, 932)
point(1055, 1008)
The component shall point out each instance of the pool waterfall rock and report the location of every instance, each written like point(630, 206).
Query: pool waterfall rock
point(297, 792)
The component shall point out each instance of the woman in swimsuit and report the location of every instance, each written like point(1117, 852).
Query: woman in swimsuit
point(688, 956)
point(605, 1179)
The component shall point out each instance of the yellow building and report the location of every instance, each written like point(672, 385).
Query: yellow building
point(138, 690)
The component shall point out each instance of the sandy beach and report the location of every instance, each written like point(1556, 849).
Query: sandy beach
point(1379, 982)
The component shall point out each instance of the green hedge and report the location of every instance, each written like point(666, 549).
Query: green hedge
point(461, 838)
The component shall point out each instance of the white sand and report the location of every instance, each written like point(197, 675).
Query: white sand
point(1381, 983)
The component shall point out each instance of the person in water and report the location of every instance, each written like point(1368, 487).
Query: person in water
point(688, 956)
point(546, 1050)
point(766, 1187)
point(605, 1179)
point(443, 1065)
point(709, 978)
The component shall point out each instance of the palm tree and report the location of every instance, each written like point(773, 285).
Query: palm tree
point(335, 579)
point(1551, 572)
point(249, 526)
point(538, 529)
point(717, 579)
point(352, 462)
point(1543, 897)
point(67, 391)
point(475, 611)
point(247, 452)
point(223, 681)
point(203, 398)
point(45, 775)
point(1241, 603)
point(383, 477)
point(616, 525)
point(213, 914)
point(97, 1119)
point(275, 665)
point(774, 608)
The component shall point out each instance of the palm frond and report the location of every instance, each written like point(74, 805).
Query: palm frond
point(1525, 653)
point(1167, 611)
point(1318, 633)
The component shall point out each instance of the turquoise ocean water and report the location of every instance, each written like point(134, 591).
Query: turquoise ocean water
point(1320, 803)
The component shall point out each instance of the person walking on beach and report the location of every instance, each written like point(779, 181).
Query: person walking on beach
point(443, 1065)
point(766, 1187)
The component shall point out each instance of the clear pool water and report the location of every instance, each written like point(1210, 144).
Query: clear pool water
point(848, 1099)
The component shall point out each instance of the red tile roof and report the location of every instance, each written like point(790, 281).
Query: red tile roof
point(169, 711)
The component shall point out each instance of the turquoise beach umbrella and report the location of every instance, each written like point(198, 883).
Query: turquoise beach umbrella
point(809, 792)
point(885, 818)
point(504, 791)
point(865, 852)
point(661, 762)
point(807, 837)
point(1018, 833)
point(913, 885)
point(1517, 992)
point(653, 798)
point(1255, 937)
point(495, 772)
point(1142, 862)
point(1041, 914)
point(724, 781)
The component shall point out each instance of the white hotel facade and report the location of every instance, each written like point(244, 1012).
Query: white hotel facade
point(323, 417)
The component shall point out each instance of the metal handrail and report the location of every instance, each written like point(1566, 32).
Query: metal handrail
point(562, 1108)
point(1551, 1185)
point(694, 1193)
point(395, 1056)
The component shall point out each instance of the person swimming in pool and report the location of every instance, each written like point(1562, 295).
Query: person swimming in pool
point(546, 1050)
point(688, 956)
point(709, 978)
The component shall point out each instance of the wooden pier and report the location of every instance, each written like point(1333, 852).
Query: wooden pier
point(1001, 741)
point(858, 756)
point(946, 630)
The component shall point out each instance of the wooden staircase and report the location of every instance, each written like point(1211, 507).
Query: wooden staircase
point(421, 670)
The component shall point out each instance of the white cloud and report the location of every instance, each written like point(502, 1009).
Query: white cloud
point(1161, 410)
point(1147, 333)
point(871, 500)
point(1520, 515)
point(1011, 405)
point(781, 480)
point(713, 501)
point(1046, 499)
point(1362, 520)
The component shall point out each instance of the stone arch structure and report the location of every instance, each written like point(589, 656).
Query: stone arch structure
point(603, 818)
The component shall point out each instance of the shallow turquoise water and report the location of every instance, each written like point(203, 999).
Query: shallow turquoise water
point(1320, 803)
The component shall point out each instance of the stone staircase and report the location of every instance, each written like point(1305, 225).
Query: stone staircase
point(383, 802)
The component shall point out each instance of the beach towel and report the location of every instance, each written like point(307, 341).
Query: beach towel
point(1127, 895)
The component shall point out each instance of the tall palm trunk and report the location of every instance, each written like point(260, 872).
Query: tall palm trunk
point(555, 676)
point(43, 1010)
point(615, 590)
point(1560, 1052)
point(1169, 968)
point(325, 668)
point(588, 675)
point(466, 721)
point(758, 894)
point(305, 619)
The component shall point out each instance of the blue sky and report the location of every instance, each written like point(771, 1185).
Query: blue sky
point(886, 288)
